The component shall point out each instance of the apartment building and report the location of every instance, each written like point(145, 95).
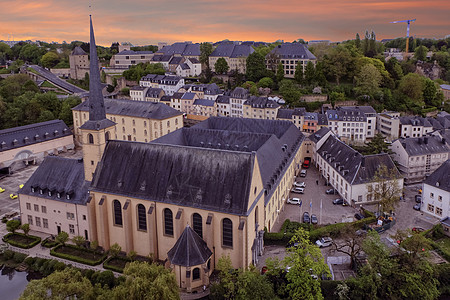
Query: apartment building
point(190, 68)
point(237, 98)
point(388, 124)
point(260, 108)
point(169, 84)
point(414, 127)
point(234, 55)
point(223, 106)
point(206, 91)
point(289, 55)
point(436, 192)
point(142, 93)
point(126, 58)
point(204, 107)
point(350, 172)
point(419, 157)
point(294, 115)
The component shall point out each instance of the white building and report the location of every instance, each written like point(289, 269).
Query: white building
point(237, 98)
point(190, 68)
point(169, 84)
point(350, 172)
point(436, 192)
point(127, 58)
point(223, 106)
point(419, 157)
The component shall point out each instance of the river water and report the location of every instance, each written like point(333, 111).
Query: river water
point(13, 283)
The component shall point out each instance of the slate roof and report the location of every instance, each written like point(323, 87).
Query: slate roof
point(162, 79)
point(142, 109)
point(131, 52)
point(223, 99)
point(292, 50)
point(194, 60)
point(154, 92)
point(32, 134)
point(445, 86)
point(184, 66)
point(415, 121)
point(261, 102)
point(322, 119)
point(78, 51)
point(346, 114)
point(58, 174)
point(185, 176)
point(204, 102)
point(352, 165)
point(166, 98)
point(287, 113)
point(189, 250)
point(311, 116)
point(177, 95)
point(184, 49)
point(97, 113)
point(239, 93)
point(423, 145)
point(175, 60)
point(161, 58)
point(233, 51)
point(319, 134)
point(188, 96)
point(192, 50)
point(441, 177)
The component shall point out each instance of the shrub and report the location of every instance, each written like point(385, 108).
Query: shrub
point(19, 257)
point(29, 261)
point(8, 254)
point(4, 219)
point(49, 243)
point(108, 265)
point(86, 261)
point(12, 225)
point(38, 263)
point(9, 238)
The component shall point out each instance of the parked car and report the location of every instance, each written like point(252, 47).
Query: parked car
point(300, 184)
point(294, 201)
point(306, 218)
point(418, 198)
point(417, 229)
point(416, 206)
point(13, 196)
point(303, 173)
point(338, 201)
point(329, 191)
point(324, 242)
point(298, 190)
point(359, 216)
point(314, 219)
point(306, 163)
point(2, 189)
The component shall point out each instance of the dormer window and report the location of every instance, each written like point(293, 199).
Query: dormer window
point(49, 193)
point(41, 191)
point(68, 196)
point(58, 195)
point(32, 189)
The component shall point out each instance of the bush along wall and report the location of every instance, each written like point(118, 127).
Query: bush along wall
point(11, 238)
point(99, 257)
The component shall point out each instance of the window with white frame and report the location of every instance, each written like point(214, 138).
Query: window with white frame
point(430, 208)
point(72, 229)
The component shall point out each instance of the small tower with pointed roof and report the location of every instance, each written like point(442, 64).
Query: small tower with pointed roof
point(79, 63)
point(98, 129)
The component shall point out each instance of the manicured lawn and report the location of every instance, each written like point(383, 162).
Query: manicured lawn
point(21, 239)
point(77, 254)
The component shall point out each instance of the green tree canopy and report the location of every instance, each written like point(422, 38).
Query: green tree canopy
point(420, 53)
point(221, 66)
point(205, 51)
point(50, 59)
point(368, 81)
point(385, 187)
point(256, 67)
point(266, 82)
point(412, 86)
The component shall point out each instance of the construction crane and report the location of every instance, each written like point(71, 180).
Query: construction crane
point(407, 31)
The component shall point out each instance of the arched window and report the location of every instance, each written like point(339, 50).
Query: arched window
point(134, 130)
point(196, 274)
point(145, 123)
point(227, 232)
point(142, 219)
point(117, 213)
point(176, 121)
point(107, 136)
point(134, 123)
point(168, 222)
point(145, 132)
point(168, 123)
point(90, 138)
point(197, 224)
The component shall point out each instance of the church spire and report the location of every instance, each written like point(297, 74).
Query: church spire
point(97, 114)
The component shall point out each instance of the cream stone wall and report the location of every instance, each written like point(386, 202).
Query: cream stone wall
point(54, 213)
point(39, 150)
point(129, 128)
point(260, 113)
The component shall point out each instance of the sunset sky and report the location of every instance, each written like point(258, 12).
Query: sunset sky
point(144, 22)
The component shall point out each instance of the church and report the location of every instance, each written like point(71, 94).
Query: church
point(187, 198)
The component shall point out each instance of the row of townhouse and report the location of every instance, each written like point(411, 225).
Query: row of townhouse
point(168, 83)
point(394, 126)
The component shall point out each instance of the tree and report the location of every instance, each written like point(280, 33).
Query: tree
point(412, 86)
point(310, 73)
point(50, 59)
point(376, 146)
point(336, 97)
point(350, 243)
point(65, 284)
point(290, 92)
point(221, 66)
point(256, 67)
point(205, 51)
point(306, 267)
point(298, 76)
point(430, 93)
point(266, 82)
point(12, 225)
point(147, 281)
point(115, 249)
point(420, 53)
point(368, 81)
point(25, 228)
point(280, 72)
point(358, 41)
point(79, 240)
point(62, 238)
point(66, 109)
point(385, 187)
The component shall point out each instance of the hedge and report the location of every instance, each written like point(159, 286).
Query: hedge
point(48, 243)
point(77, 258)
point(106, 264)
point(20, 245)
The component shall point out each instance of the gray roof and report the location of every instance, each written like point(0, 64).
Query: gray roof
point(322, 119)
point(209, 179)
point(78, 51)
point(161, 58)
point(424, 145)
point(97, 114)
point(184, 49)
point(175, 60)
point(446, 221)
point(441, 177)
point(319, 134)
point(445, 86)
point(349, 113)
point(261, 102)
point(162, 79)
point(294, 51)
point(32, 134)
point(350, 164)
point(189, 250)
point(207, 88)
point(240, 93)
point(223, 99)
point(194, 60)
point(142, 109)
point(184, 66)
point(415, 121)
point(233, 51)
point(154, 92)
point(287, 113)
point(131, 52)
point(58, 175)
point(204, 102)
point(166, 98)
point(188, 96)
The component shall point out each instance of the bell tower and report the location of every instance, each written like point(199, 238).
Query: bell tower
point(98, 129)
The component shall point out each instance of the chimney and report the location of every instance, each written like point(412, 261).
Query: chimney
point(363, 161)
point(443, 141)
point(425, 140)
